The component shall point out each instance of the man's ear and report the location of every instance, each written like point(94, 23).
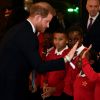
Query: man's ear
point(86, 6)
point(99, 8)
point(38, 18)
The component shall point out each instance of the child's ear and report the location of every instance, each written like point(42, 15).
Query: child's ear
point(91, 62)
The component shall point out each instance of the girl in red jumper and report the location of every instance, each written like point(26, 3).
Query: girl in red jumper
point(91, 74)
point(82, 82)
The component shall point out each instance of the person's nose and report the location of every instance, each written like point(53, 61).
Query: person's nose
point(56, 42)
point(93, 8)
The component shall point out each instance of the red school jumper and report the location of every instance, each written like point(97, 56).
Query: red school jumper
point(93, 76)
point(71, 74)
point(70, 78)
point(83, 88)
point(56, 78)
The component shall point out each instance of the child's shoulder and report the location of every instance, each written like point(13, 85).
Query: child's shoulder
point(65, 52)
point(50, 51)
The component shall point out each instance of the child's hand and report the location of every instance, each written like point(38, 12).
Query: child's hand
point(49, 91)
point(70, 55)
point(86, 52)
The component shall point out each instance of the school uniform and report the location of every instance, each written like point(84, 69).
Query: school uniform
point(56, 78)
point(83, 88)
point(39, 80)
point(92, 76)
point(72, 73)
point(39, 77)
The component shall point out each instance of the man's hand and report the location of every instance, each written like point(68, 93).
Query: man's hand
point(34, 87)
point(70, 55)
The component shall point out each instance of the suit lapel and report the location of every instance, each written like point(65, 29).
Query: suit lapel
point(96, 21)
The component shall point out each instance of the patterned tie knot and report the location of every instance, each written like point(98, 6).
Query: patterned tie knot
point(91, 19)
point(90, 23)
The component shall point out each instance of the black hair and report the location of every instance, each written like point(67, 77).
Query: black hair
point(60, 29)
point(75, 28)
point(93, 56)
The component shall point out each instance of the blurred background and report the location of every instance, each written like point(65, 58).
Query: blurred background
point(68, 12)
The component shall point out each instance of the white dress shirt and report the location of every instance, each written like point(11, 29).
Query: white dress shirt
point(33, 28)
point(60, 52)
point(79, 50)
point(94, 18)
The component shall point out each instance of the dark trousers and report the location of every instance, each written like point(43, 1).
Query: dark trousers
point(55, 98)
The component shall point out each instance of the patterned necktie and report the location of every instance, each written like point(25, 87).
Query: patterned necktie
point(90, 24)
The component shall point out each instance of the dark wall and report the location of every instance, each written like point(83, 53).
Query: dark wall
point(11, 3)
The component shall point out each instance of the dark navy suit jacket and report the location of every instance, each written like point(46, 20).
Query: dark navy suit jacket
point(92, 36)
point(18, 55)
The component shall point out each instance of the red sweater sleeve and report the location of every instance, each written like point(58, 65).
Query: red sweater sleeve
point(90, 73)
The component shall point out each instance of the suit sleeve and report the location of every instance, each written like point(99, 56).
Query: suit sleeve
point(28, 45)
point(90, 73)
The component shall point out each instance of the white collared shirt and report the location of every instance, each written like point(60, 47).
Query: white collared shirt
point(79, 50)
point(94, 18)
point(60, 52)
point(33, 28)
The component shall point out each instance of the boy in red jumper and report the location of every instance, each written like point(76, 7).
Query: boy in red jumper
point(91, 74)
point(74, 34)
point(55, 80)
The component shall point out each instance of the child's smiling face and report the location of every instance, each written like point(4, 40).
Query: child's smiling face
point(73, 37)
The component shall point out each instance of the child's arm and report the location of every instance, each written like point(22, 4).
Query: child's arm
point(87, 69)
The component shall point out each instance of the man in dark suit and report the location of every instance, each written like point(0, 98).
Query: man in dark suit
point(91, 27)
point(91, 24)
point(19, 53)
